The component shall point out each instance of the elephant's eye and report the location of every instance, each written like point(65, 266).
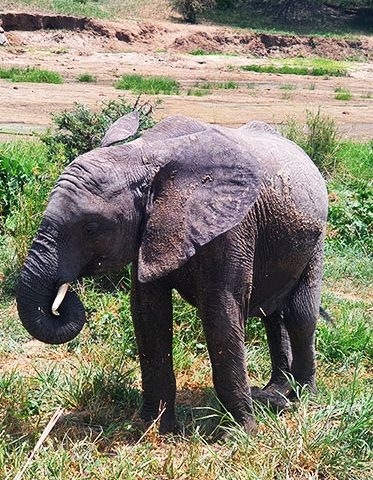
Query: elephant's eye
point(91, 229)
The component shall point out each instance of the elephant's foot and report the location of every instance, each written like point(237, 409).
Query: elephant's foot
point(248, 426)
point(274, 400)
point(164, 417)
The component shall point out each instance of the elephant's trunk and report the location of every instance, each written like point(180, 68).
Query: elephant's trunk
point(38, 291)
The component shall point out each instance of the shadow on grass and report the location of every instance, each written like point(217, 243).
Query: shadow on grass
point(119, 421)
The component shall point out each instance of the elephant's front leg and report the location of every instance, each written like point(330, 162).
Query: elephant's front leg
point(223, 322)
point(151, 307)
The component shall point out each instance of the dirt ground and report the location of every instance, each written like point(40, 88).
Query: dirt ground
point(108, 50)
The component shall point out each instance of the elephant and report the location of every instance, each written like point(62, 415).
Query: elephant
point(234, 219)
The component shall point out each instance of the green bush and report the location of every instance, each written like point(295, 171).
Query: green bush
point(86, 78)
point(318, 138)
point(342, 94)
point(150, 85)
point(80, 130)
point(351, 213)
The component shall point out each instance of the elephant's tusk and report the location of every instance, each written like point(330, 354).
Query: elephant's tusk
point(59, 298)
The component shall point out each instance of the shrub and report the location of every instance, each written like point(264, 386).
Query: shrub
point(319, 138)
point(189, 9)
point(342, 94)
point(151, 85)
point(87, 78)
point(80, 130)
point(26, 178)
point(351, 213)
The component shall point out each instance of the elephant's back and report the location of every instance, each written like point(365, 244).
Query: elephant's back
point(286, 169)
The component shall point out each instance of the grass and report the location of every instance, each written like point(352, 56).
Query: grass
point(86, 78)
point(294, 70)
point(227, 85)
point(31, 75)
point(342, 94)
point(287, 86)
point(208, 86)
point(149, 85)
point(103, 9)
point(96, 377)
point(201, 52)
point(198, 93)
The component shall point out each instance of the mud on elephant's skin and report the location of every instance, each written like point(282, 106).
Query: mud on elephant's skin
point(234, 219)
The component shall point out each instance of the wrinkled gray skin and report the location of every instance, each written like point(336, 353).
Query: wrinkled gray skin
point(233, 219)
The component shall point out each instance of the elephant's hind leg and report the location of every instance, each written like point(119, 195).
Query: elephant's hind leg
point(300, 315)
point(278, 388)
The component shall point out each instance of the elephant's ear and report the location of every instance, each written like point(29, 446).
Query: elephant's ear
point(121, 129)
point(205, 187)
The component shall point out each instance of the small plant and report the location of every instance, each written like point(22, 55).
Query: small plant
point(198, 93)
point(367, 95)
point(313, 86)
point(227, 85)
point(81, 130)
point(286, 96)
point(342, 94)
point(318, 138)
point(287, 86)
point(204, 86)
point(87, 78)
point(199, 51)
point(31, 75)
point(251, 85)
point(150, 85)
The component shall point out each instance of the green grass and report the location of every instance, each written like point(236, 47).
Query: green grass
point(227, 85)
point(201, 52)
point(31, 75)
point(294, 70)
point(149, 85)
point(342, 94)
point(96, 377)
point(198, 93)
point(287, 86)
point(86, 78)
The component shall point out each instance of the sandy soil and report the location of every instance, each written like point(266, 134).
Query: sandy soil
point(152, 51)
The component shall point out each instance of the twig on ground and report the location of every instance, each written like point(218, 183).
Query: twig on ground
point(52, 422)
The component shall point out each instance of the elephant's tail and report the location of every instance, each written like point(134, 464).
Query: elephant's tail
point(325, 315)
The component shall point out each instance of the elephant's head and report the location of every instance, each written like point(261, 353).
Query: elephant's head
point(157, 199)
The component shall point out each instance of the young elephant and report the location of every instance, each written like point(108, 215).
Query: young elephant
point(233, 219)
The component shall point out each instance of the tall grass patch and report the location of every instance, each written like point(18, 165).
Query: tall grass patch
point(294, 70)
point(342, 94)
point(87, 78)
point(318, 138)
point(31, 75)
point(149, 85)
